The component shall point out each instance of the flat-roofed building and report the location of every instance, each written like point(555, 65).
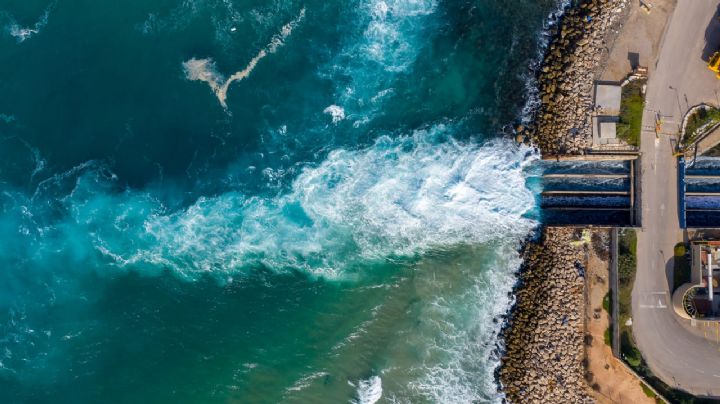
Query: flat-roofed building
point(606, 113)
point(700, 297)
point(604, 130)
point(607, 98)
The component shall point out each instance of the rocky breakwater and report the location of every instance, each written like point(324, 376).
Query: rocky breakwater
point(562, 125)
point(544, 348)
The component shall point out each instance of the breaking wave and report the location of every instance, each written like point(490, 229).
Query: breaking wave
point(369, 391)
point(460, 330)
point(337, 113)
point(205, 69)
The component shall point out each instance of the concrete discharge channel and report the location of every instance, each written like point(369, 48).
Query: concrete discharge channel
point(600, 193)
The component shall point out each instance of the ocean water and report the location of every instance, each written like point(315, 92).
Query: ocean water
point(261, 201)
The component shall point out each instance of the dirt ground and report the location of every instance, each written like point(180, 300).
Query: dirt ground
point(639, 41)
point(611, 382)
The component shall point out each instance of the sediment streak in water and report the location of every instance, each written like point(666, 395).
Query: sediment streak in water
point(205, 69)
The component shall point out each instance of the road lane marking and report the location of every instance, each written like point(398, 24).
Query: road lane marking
point(649, 298)
point(653, 306)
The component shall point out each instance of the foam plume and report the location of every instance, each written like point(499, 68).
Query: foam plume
point(206, 69)
point(23, 33)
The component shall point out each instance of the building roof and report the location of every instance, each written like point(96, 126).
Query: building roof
point(604, 129)
point(607, 130)
point(607, 98)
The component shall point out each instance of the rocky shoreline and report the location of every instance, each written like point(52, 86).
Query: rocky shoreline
point(544, 351)
point(544, 337)
point(562, 122)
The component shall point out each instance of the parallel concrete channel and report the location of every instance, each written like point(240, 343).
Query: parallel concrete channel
point(699, 193)
point(590, 193)
point(600, 193)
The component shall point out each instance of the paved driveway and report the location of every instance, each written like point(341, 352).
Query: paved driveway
point(682, 76)
point(673, 349)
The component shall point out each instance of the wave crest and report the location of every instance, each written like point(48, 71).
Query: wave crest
point(369, 391)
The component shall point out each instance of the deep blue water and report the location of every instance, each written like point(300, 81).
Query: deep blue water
point(344, 228)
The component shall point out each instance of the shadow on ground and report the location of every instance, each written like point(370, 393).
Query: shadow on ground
point(670, 274)
point(712, 36)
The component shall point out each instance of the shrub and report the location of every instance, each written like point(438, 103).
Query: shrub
point(697, 120)
point(648, 392)
point(680, 250)
point(631, 111)
point(607, 336)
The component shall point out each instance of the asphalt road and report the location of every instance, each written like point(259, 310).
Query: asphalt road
point(672, 348)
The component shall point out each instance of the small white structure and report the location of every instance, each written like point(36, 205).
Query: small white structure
point(604, 130)
point(607, 130)
point(606, 113)
point(607, 98)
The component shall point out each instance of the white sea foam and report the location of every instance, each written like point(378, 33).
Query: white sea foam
point(21, 33)
point(40, 163)
point(337, 113)
point(398, 197)
point(532, 102)
point(386, 41)
point(205, 69)
point(178, 18)
point(305, 382)
point(458, 333)
point(369, 391)
point(389, 37)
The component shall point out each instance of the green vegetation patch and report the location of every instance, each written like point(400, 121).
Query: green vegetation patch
point(681, 273)
point(627, 251)
point(647, 390)
point(680, 249)
point(627, 248)
point(607, 336)
point(606, 305)
point(697, 120)
point(631, 111)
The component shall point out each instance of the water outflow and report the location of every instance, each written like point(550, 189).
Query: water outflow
point(399, 197)
point(583, 193)
point(348, 229)
point(360, 216)
point(701, 185)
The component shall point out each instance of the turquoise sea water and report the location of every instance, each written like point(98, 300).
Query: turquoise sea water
point(339, 223)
